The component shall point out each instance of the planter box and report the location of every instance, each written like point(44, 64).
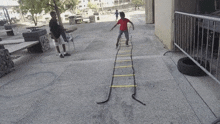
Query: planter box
point(34, 35)
point(37, 35)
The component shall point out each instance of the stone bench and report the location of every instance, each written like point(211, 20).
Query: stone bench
point(33, 28)
point(9, 47)
point(20, 46)
point(9, 32)
point(6, 49)
point(71, 29)
point(9, 29)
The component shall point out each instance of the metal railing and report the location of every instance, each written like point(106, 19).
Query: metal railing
point(197, 36)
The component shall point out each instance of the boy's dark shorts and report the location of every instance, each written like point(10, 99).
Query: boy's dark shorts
point(125, 32)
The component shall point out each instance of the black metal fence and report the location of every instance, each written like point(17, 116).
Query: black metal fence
point(198, 37)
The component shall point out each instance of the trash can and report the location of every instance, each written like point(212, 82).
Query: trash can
point(97, 17)
point(92, 19)
point(72, 20)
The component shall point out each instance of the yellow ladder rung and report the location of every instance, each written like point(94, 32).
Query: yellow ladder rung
point(126, 46)
point(123, 39)
point(124, 66)
point(121, 86)
point(128, 60)
point(122, 42)
point(125, 55)
point(125, 51)
point(128, 75)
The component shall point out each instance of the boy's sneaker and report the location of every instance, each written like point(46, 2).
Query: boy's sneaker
point(126, 44)
point(61, 56)
point(67, 54)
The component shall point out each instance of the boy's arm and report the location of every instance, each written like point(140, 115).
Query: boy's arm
point(114, 26)
point(132, 24)
point(53, 37)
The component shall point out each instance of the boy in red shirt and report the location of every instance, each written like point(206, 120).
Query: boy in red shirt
point(123, 27)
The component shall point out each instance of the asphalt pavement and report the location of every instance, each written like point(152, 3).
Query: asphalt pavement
point(47, 89)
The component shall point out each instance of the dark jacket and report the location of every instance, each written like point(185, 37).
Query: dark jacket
point(55, 28)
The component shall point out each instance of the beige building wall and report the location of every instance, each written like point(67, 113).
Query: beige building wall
point(149, 11)
point(164, 15)
point(164, 18)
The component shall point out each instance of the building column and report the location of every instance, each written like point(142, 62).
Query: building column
point(149, 11)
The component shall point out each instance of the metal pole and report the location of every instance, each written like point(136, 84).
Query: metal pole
point(200, 16)
point(207, 44)
point(175, 29)
point(185, 35)
point(178, 33)
point(202, 39)
point(187, 32)
point(213, 41)
point(194, 35)
point(218, 57)
point(181, 31)
point(198, 41)
point(191, 37)
point(7, 15)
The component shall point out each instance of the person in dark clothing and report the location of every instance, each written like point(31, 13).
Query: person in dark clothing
point(56, 32)
point(116, 14)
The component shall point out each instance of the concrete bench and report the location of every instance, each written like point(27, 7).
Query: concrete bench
point(9, 32)
point(9, 47)
point(78, 20)
point(9, 29)
point(9, 42)
point(17, 45)
point(14, 48)
point(33, 28)
point(71, 29)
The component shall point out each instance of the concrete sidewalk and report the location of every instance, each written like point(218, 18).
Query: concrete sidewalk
point(46, 89)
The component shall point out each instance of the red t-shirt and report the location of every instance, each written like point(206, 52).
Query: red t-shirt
point(123, 24)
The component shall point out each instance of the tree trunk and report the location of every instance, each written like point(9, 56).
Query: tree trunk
point(58, 13)
point(32, 15)
point(21, 14)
